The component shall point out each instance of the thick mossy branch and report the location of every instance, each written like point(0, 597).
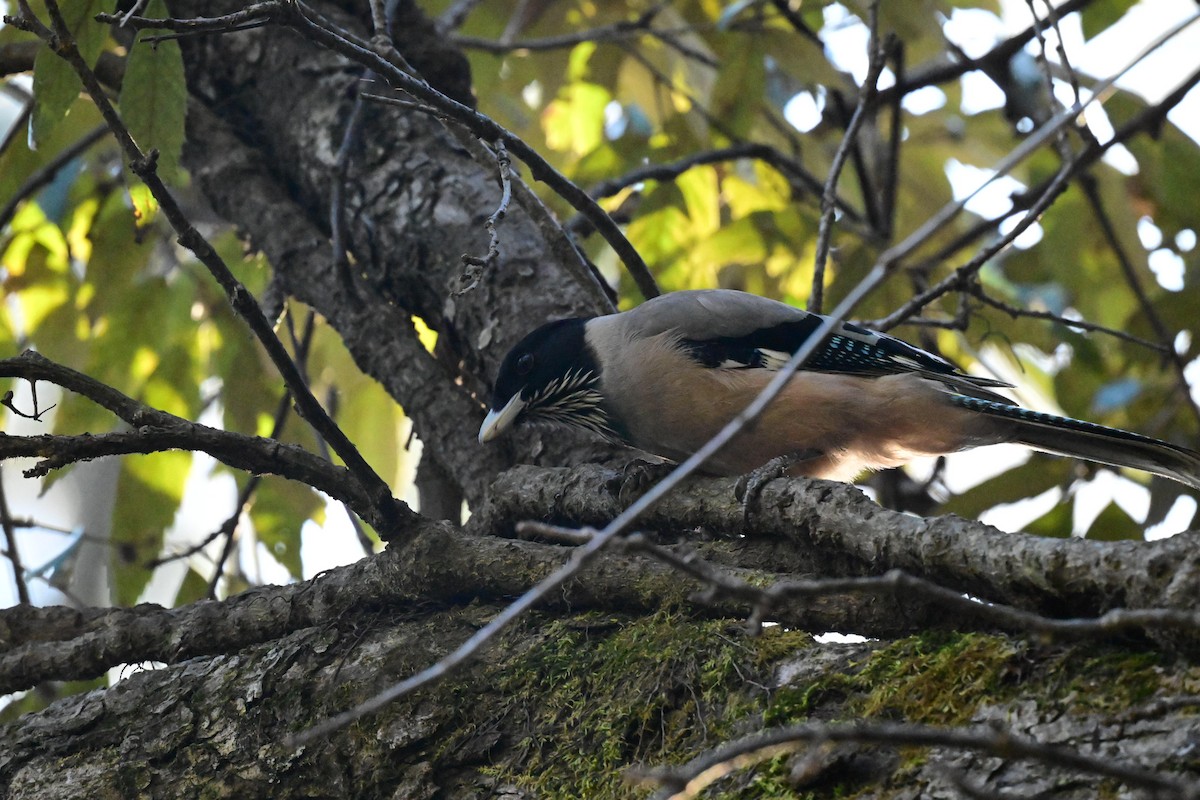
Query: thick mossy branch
point(834, 529)
point(804, 528)
point(567, 703)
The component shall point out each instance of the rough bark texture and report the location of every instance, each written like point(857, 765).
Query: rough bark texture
point(263, 139)
point(565, 703)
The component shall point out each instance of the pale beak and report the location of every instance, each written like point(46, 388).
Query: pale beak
point(499, 420)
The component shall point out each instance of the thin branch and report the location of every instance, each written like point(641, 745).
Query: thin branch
point(474, 267)
point(257, 13)
point(942, 72)
point(46, 174)
point(337, 194)
point(390, 511)
point(622, 29)
point(825, 229)
point(791, 169)
point(155, 431)
point(1178, 365)
point(689, 780)
point(976, 291)
point(306, 21)
point(13, 553)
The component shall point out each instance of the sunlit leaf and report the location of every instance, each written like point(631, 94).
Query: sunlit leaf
point(575, 122)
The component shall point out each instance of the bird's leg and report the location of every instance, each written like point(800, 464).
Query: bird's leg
point(750, 486)
point(638, 475)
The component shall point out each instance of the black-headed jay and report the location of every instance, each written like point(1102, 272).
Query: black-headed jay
point(668, 374)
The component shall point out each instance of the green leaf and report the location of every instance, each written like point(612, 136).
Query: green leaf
point(149, 491)
point(1019, 483)
point(193, 588)
point(1099, 16)
point(1113, 525)
point(55, 87)
point(153, 97)
point(1056, 523)
point(279, 511)
point(55, 84)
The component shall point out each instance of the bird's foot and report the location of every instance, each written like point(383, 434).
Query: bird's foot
point(750, 486)
point(639, 475)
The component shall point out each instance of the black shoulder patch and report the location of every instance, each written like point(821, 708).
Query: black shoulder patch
point(850, 349)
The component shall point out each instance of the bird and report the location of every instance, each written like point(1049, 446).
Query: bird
point(667, 375)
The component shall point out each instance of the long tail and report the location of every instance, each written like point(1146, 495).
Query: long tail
point(1078, 439)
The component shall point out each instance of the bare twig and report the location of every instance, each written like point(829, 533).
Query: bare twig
point(12, 551)
point(156, 430)
point(825, 229)
point(976, 291)
point(243, 302)
point(681, 783)
point(47, 173)
point(308, 22)
point(256, 14)
point(622, 29)
point(474, 267)
point(1178, 365)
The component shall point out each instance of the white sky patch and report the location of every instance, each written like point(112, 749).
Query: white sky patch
point(968, 469)
point(532, 94)
point(1092, 497)
point(615, 121)
point(1176, 520)
point(1185, 240)
point(1015, 517)
point(334, 544)
point(1168, 268)
point(804, 111)
point(1149, 233)
point(974, 30)
point(1183, 341)
point(1027, 238)
point(847, 41)
point(993, 200)
point(833, 637)
point(924, 100)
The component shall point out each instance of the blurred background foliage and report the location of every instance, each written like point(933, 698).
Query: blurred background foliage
point(605, 88)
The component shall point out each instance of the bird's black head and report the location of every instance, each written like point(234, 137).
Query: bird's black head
point(551, 376)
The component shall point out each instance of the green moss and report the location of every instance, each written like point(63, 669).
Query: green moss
point(561, 707)
point(1109, 680)
point(599, 694)
point(937, 678)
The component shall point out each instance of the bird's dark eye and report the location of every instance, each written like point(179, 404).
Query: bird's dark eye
point(525, 364)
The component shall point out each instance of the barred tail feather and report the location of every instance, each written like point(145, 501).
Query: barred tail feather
point(1078, 439)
